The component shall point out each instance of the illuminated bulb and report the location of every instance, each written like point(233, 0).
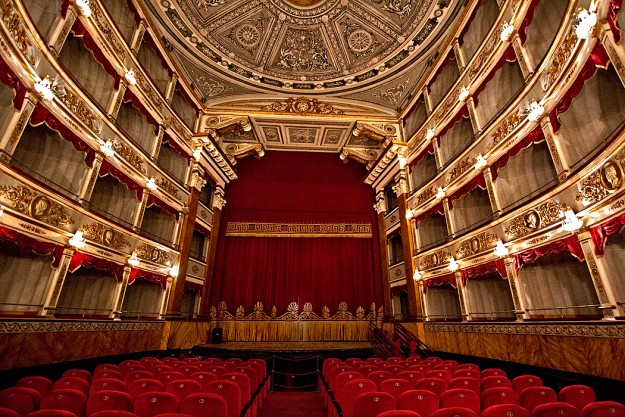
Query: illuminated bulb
point(83, 6)
point(464, 93)
point(402, 161)
point(1, 210)
point(440, 193)
point(536, 111)
point(409, 214)
point(44, 88)
point(130, 77)
point(173, 271)
point(197, 154)
point(151, 184)
point(133, 260)
point(480, 162)
point(571, 222)
point(501, 250)
point(430, 133)
point(417, 275)
point(453, 265)
point(586, 24)
point(506, 31)
point(107, 148)
point(77, 240)
point(247, 127)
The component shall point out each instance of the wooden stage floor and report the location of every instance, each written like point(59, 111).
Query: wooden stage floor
point(297, 348)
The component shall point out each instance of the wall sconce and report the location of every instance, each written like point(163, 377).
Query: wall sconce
point(402, 161)
point(130, 77)
point(464, 94)
point(151, 184)
point(77, 241)
point(506, 31)
point(417, 275)
point(480, 162)
point(440, 193)
point(500, 250)
point(409, 214)
point(536, 111)
point(571, 222)
point(453, 265)
point(430, 133)
point(587, 20)
point(1, 210)
point(197, 154)
point(43, 87)
point(173, 271)
point(133, 260)
point(107, 148)
point(83, 6)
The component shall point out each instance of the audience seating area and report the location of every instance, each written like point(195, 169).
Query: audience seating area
point(433, 387)
point(148, 387)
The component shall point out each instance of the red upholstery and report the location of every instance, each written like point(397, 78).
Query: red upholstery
point(106, 367)
point(78, 384)
point(113, 413)
point(39, 383)
point(370, 404)
point(129, 362)
point(494, 396)
point(604, 409)
point(169, 359)
point(373, 361)
point(217, 370)
point(211, 361)
point(107, 374)
point(399, 413)
point(493, 372)
point(203, 405)
point(142, 386)
point(159, 369)
point(495, 382)
point(395, 369)
point(422, 367)
point(465, 383)
point(191, 360)
point(525, 381)
point(433, 360)
point(133, 376)
point(173, 415)
point(411, 376)
point(236, 361)
point(342, 379)
point(132, 368)
point(395, 387)
point(467, 373)
point(454, 412)
point(188, 370)
point(532, 397)
point(461, 398)
point(108, 400)
point(469, 366)
point(230, 366)
point(423, 402)
point(7, 412)
point(435, 385)
point(367, 369)
point(505, 410)
point(450, 362)
point(152, 404)
point(167, 377)
point(445, 367)
point(243, 381)
point(107, 384)
point(183, 388)
point(379, 376)
point(147, 360)
point(231, 392)
point(351, 390)
point(65, 399)
point(78, 373)
point(440, 374)
point(204, 378)
point(19, 399)
point(351, 361)
point(51, 413)
point(578, 395)
point(556, 409)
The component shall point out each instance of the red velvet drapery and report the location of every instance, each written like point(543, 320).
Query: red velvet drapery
point(106, 168)
point(529, 16)
point(442, 280)
point(88, 261)
point(144, 275)
point(478, 181)
point(615, 6)
point(154, 200)
point(428, 150)
point(601, 232)
point(535, 136)
point(475, 271)
point(28, 244)
point(508, 56)
point(172, 143)
point(570, 244)
point(8, 77)
point(436, 209)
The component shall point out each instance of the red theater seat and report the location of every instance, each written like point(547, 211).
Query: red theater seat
point(230, 392)
point(51, 413)
point(350, 391)
point(461, 398)
point(423, 402)
point(411, 376)
point(167, 377)
point(135, 375)
point(469, 366)
point(107, 374)
point(493, 372)
point(105, 384)
point(142, 386)
point(152, 404)
point(465, 383)
point(65, 399)
point(7, 412)
point(77, 384)
point(440, 374)
point(494, 396)
point(78, 373)
point(399, 413)
point(467, 373)
point(578, 395)
point(39, 383)
point(108, 400)
point(604, 409)
point(435, 385)
point(454, 412)
point(525, 381)
point(113, 413)
point(379, 376)
point(370, 404)
point(505, 410)
point(495, 382)
point(556, 409)
point(204, 378)
point(203, 405)
point(183, 388)
point(395, 387)
point(532, 397)
point(19, 399)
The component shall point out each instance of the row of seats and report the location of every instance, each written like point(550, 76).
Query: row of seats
point(145, 387)
point(365, 388)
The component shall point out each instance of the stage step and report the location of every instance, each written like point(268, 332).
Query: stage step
point(293, 404)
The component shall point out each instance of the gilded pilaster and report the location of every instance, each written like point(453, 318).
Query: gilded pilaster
point(449, 219)
point(55, 284)
point(60, 31)
point(476, 121)
point(517, 296)
point(460, 60)
point(554, 143)
point(427, 101)
point(491, 187)
point(158, 141)
point(522, 57)
point(437, 155)
point(218, 203)
point(137, 37)
point(380, 209)
point(165, 299)
point(89, 179)
point(136, 223)
point(171, 87)
point(120, 293)
point(14, 128)
point(424, 301)
point(116, 100)
point(462, 294)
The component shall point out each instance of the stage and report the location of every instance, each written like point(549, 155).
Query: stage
point(289, 349)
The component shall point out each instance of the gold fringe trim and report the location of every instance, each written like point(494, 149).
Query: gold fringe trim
point(302, 235)
point(297, 230)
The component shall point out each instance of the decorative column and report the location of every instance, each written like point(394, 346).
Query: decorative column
point(459, 56)
point(55, 284)
point(137, 37)
point(14, 128)
point(449, 220)
point(90, 177)
point(426, 100)
point(186, 236)
point(171, 87)
point(493, 196)
point(424, 302)
point(474, 116)
point(522, 57)
point(515, 290)
point(600, 279)
point(554, 143)
point(165, 300)
point(218, 203)
point(120, 293)
point(116, 99)
point(157, 142)
point(380, 209)
point(401, 189)
point(462, 294)
point(60, 31)
point(136, 222)
point(438, 159)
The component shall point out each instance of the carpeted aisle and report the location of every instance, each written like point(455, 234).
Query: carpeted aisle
point(293, 404)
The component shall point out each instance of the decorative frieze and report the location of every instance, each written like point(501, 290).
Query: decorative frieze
point(292, 313)
point(236, 151)
point(37, 206)
point(107, 31)
point(425, 195)
point(153, 254)
point(13, 23)
point(559, 60)
point(435, 259)
point(74, 326)
point(460, 168)
point(603, 182)
point(129, 155)
point(365, 156)
point(476, 244)
point(168, 187)
point(105, 235)
point(543, 329)
point(302, 105)
point(505, 128)
point(78, 107)
point(299, 230)
point(535, 219)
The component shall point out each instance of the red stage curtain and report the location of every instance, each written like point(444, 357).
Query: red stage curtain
point(106, 168)
point(82, 259)
point(29, 244)
point(570, 244)
point(600, 233)
point(442, 280)
point(482, 269)
point(147, 276)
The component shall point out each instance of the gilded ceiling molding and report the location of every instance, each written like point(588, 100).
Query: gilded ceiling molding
point(384, 161)
point(302, 105)
point(105, 235)
point(366, 156)
point(236, 151)
point(26, 201)
point(377, 132)
point(216, 126)
point(536, 218)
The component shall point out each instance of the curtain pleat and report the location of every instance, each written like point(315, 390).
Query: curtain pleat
point(142, 299)
point(479, 27)
point(542, 31)
point(87, 291)
point(415, 118)
point(443, 303)
point(499, 91)
point(136, 126)
point(432, 229)
point(472, 209)
point(123, 17)
point(455, 139)
point(489, 297)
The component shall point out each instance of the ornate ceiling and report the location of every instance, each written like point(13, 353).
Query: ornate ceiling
point(349, 59)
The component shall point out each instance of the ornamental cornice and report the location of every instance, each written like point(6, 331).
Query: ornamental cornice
point(219, 200)
point(366, 156)
point(610, 330)
point(236, 151)
point(48, 326)
point(536, 218)
point(293, 313)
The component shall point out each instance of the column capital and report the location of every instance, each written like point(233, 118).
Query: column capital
point(218, 198)
point(380, 203)
point(197, 180)
point(401, 183)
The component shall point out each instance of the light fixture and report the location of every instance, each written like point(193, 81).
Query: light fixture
point(44, 88)
point(107, 148)
point(402, 161)
point(197, 154)
point(501, 250)
point(480, 162)
point(83, 6)
point(133, 260)
point(1, 210)
point(453, 265)
point(417, 275)
point(536, 111)
point(151, 184)
point(587, 20)
point(77, 240)
point(440, 193)
point(173, 271)
point(571, 222)
point(429, 134)
point(464, 94)
point(409, 214)
point(506, 31)
point(130, 77)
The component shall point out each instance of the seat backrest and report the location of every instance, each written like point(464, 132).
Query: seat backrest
point(251, 374)
point(440, 374)
point(78, 373)
point(204, 378)
point(373, 361)
point(183, 388)
point(51, 413)
point(351, 361)
point(158, 369)
point(38, 383)
point(465, 383)
point(495, 382)
point(69, 382)
point(132, 368)
point(494, 396)
point(454, 412)
point(133, 376)
point(169, 359)
point(113, 413)
point(217, 370)
point(211, 361)
point(379, 376)
point(152, 404)
point(203, 404)
point(433, 360)
point(604, 409)
point(467, 373)
point(399, 413)
point(532, 397)
point(129, 362)
point(142, 386)
point(167, 377)
point(351, 390)
point(7, 412)
point(107, 384)
point(191, 360)
point(146, 360)
point(411, 376)
point(65, 399)
point(493, 372)
point(395, 369)
point(469, 366)
point(231, 392)
point(395, 387)
point(435, 385)
point(460, 397)
point(107, 373)
point(525, 381)
point(555, 409)
point(106, 367)
point(505, 410)
point(20, 399)
point(370, 404)
point(343, 378)
point(421, 401)
point(237, 361)
point(424, 368)
point(108, 400)
point(578, 395)
point(189, 369)
point(367, 369)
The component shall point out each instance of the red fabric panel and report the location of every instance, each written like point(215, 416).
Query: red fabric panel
point(529, 16)
point(462, 113)
point(615, 6)
point(494, 266)
point(82, 259)
point(437, 208)
point(598, 58)
point(172, 143)
point(508, 56)
point(448, 60)
point(8, 77)
point(466, 27)
point(442, 280)
point(601, 232)
point(130, 97)
point(419, 158)
point(535, 136)
point(152, 200)
point(79, 30)
point(478, 181)
point(147, 276)
point(29, 244)
point(106, 168)
point(42, 115)
point(570, 244)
